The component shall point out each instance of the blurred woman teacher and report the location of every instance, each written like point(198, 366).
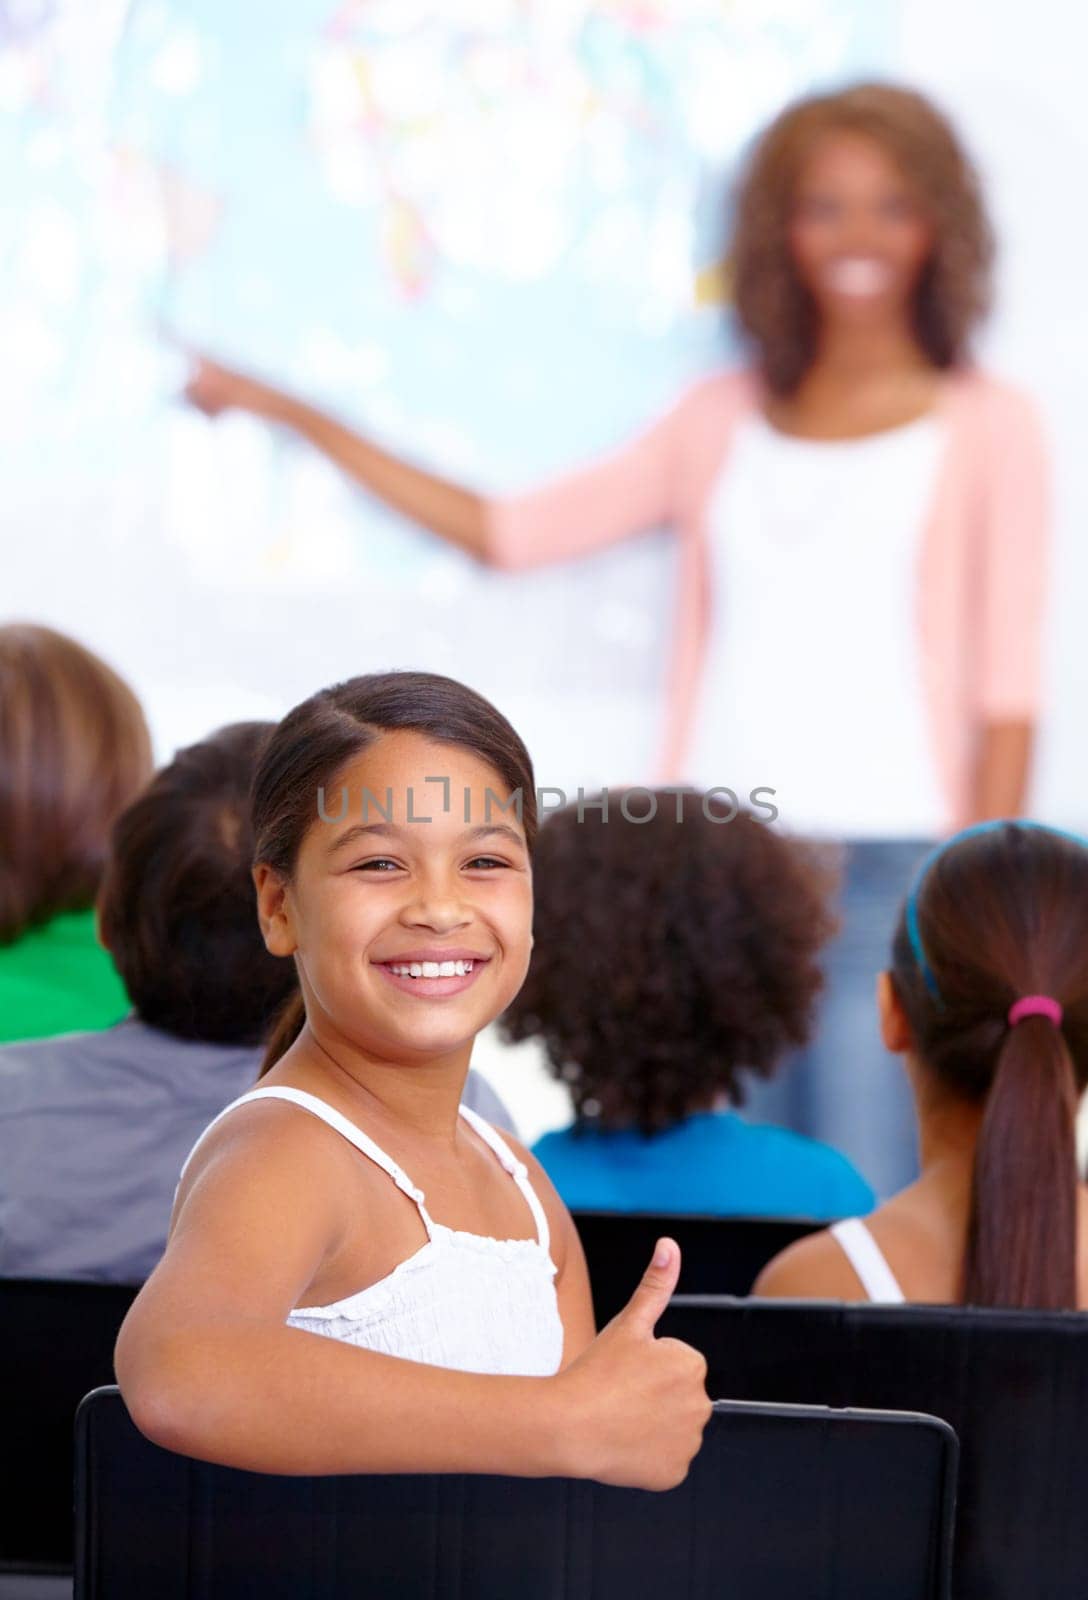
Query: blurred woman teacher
point(862, 511)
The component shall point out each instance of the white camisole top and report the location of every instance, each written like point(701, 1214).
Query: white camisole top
point(462, 1300)
point(868, 1261)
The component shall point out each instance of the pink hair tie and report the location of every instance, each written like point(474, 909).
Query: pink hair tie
point(1035, 1005)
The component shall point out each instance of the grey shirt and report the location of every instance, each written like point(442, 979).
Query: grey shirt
point(94, 1128)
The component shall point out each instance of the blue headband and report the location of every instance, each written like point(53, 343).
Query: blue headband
point(911, 909)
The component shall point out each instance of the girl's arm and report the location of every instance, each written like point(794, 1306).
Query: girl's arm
point(207, 1366)
point(624, 493)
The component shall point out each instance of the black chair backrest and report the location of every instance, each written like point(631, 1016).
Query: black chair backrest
point(780, 1502)
point(1013, 1385)
point(56, 1342)
point(718, 1255)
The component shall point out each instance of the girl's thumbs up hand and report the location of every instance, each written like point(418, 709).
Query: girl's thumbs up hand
point(636, 1406)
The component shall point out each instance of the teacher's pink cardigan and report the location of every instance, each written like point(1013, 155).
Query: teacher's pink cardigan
point(982, 560)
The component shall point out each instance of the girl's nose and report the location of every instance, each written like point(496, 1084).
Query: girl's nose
point(438, 907)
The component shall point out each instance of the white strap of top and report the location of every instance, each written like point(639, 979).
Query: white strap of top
point(355, 1136)
point(867, 1259)
point(334, 1119)
point(517, 1170)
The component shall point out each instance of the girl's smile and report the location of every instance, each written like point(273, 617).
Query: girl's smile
point(433, 974)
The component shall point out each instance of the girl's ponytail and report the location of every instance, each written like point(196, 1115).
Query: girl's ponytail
point(285, 1030)
point(1022, 1237)
point(990, 964)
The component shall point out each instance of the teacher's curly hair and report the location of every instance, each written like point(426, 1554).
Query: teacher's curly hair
point(953, 294)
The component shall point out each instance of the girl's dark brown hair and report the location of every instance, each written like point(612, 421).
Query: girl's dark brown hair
point(315, 741)
point(671, 958)
point(1002, 913)
point(74, 750)
point(772, 305)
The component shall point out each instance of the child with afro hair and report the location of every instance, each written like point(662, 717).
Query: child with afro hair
point(677, 952)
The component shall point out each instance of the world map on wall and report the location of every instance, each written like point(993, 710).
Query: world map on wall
point(487, 232)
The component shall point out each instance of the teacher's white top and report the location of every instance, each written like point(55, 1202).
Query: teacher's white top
point(814, 547)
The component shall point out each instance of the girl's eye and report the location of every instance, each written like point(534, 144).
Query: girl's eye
point(382, 864)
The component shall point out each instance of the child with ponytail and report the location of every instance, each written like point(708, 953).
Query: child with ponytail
point(362, 1275)
point(987, 1001)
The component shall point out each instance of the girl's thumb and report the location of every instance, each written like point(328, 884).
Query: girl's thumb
point(655, 1291)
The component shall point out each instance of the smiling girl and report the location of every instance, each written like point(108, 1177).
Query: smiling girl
point(361, 1274)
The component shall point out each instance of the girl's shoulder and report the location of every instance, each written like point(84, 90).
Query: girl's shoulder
point(815, 1268)
point(288, 1149)
point(560, 1225)
point(534, 1171)
point(263, 1206)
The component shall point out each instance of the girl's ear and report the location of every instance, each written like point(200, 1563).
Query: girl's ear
point(894, 1028)
point(273, 912)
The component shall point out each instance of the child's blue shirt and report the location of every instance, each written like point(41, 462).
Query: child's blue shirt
point(711, 1163)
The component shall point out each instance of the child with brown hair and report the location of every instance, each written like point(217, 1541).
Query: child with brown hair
point(987, 1002)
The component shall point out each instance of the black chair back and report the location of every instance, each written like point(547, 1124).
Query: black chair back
point(1013, 1385)
point(718, 1255)
point(780, 1502)
point(56, 1342)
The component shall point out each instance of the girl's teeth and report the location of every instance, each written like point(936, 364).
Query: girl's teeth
point(433, 969)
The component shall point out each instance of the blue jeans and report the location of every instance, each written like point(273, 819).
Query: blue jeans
point(845, 1088)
